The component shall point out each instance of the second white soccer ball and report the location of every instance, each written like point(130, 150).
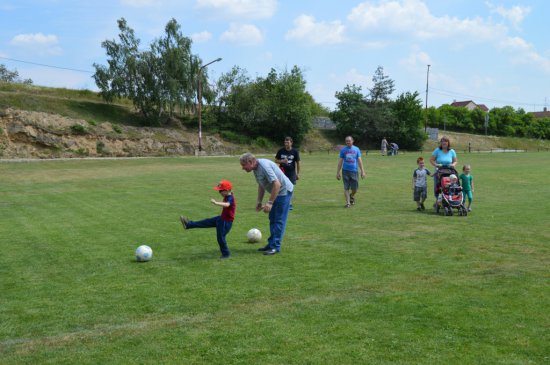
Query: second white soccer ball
point(254, 235)
point(144, 253)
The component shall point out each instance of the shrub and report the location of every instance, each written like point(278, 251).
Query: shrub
point(82, 152)
point(234, 137)
point(78, 129)
point(100, 147)
point(117, 129)
point(263, 142)
point(92, 122)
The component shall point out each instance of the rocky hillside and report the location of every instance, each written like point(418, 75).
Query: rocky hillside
point(26, 134)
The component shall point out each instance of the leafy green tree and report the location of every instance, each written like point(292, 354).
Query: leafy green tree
point(382, 88)
point(370, 118)
point(12, 76)
point(271, 107)
point(350, 110)
point(408, 130)
point(156, 80)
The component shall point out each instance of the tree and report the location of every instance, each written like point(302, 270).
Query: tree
point(12, 76)
point(408, 130)
point(272, 107)
point(383, 87)
point(350, 109)
point(156, 80)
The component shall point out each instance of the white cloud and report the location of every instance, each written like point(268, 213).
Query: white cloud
point(250, 9)
point(34, 39)
point(243, 34)
point(352, 77)
point(201, 36)
point(524, 53)
point(413, 17)
point(514, 15)
point(38, 42)
point(417, 59)
point(317, 33)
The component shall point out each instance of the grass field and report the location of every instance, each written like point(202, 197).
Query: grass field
point(379, 283)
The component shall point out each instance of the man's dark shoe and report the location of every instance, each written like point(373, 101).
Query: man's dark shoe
point(184, 221)
point(271, 252)
point(265, 248)
point(422, 206)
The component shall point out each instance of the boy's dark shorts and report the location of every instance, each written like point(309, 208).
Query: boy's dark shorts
point(420, 193)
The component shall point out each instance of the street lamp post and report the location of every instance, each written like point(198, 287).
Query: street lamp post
point(426, 120)
point(199, 106)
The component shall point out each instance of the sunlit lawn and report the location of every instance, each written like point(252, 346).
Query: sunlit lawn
point(379, 283)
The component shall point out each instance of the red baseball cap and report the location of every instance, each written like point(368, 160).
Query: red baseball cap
point(223, 185)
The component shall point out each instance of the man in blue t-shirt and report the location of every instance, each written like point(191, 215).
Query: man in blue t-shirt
point(350, 159)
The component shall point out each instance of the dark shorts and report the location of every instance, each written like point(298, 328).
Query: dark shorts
point(291, 177)
point(351, 180)
point(420, 193)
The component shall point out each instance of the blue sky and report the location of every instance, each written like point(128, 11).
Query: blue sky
point(493, 52)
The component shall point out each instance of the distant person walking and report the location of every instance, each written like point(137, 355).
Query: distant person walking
point(288, 159)
point(350, 160)
point(394, 147)
point(270, 178)
point(384, 147)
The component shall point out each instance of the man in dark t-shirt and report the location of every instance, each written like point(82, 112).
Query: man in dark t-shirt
point(289, 160)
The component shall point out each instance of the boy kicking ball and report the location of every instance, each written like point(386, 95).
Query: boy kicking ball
point(223, 222)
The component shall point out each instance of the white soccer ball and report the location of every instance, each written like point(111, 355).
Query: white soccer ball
point(144, 253)
point(254, 235)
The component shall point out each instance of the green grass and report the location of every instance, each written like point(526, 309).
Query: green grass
point(376, 284)
point(77, 104)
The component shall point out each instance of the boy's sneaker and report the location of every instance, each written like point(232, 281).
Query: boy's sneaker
point(224, 257)
point(347, 206)
point(352, 200)
point(469, 209)
point(184, 221)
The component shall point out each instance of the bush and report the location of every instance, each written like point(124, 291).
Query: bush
point(263, 142)
point(234, 137)
point(92, 122)
point(100, 147)
point(82, 152)
point(78, 129)
point(117, 129)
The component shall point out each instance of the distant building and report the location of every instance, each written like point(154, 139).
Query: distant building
point(470, 105)
point(323, 123)
point(543, 114)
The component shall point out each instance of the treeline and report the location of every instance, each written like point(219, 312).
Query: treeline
point(162, 82)
point(505, 121)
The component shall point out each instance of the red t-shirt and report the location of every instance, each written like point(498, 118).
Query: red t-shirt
point(228, 214)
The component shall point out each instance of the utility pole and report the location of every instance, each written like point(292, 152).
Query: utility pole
point(427, 80)
point(199, 106)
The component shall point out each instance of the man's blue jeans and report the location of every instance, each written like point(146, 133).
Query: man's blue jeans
point(277, 220)
point(222, 229)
